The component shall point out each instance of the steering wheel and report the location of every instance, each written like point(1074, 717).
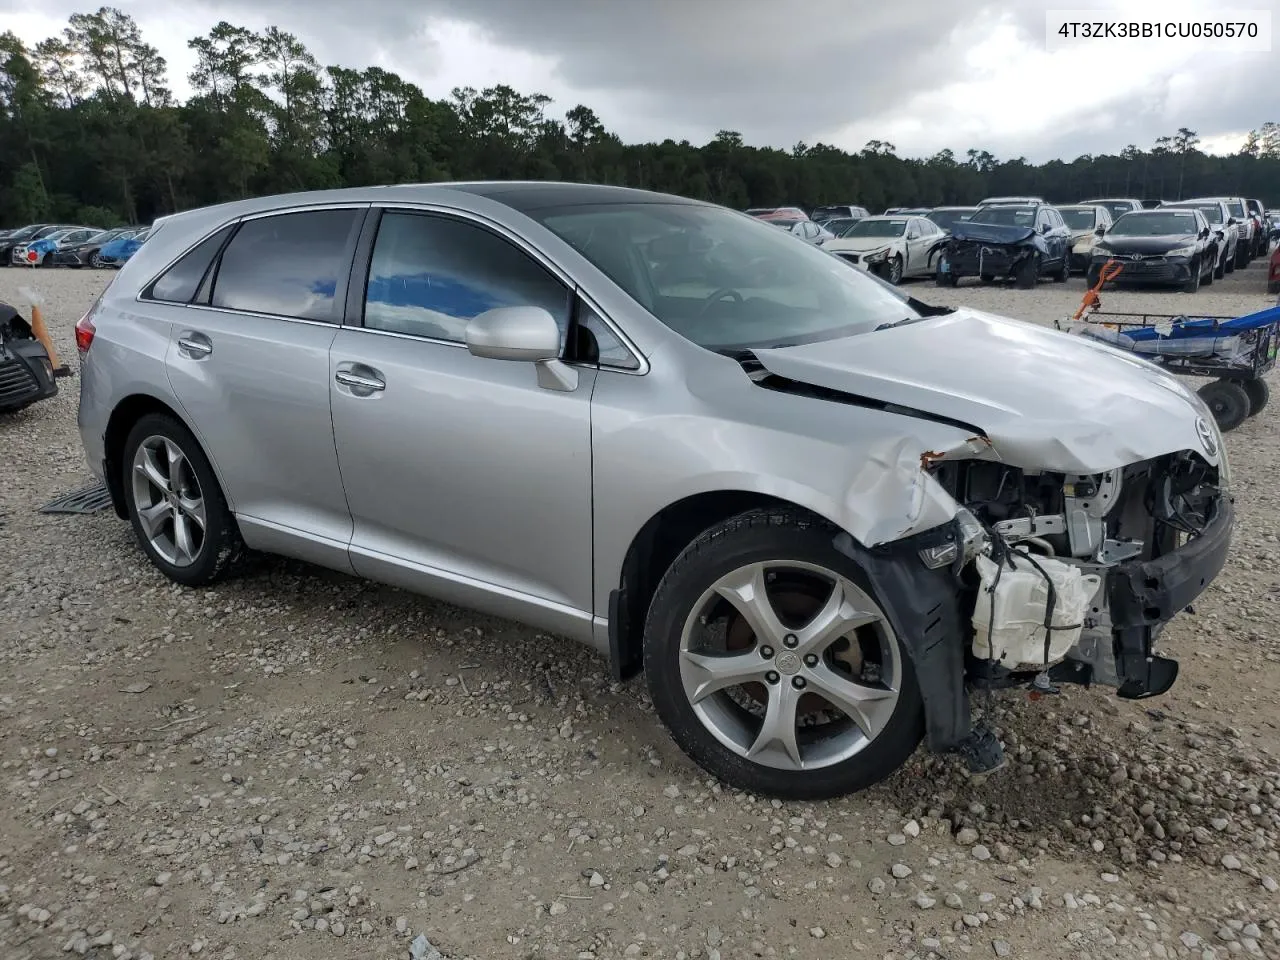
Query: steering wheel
point(719, 295)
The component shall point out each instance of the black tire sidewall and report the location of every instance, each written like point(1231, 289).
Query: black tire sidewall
point(750, 538)
point(221, 537)
point(1259, 394)
point(1237, 402)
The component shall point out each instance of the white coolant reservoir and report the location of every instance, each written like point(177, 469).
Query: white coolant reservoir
point(1013, 614)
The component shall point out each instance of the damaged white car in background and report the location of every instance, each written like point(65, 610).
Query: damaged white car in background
point(813, 511)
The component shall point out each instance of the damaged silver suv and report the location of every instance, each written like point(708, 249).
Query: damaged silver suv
point(814, 511)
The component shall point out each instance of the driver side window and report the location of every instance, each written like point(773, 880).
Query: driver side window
point(430, 275)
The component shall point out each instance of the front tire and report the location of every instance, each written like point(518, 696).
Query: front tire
point(1063, 275)
point(176, 507)
point(894, 275)
point(1028, 272)
point(761, 624)
point(1193, 282)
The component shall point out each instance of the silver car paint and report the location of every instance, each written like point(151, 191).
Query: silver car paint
point(515, 473)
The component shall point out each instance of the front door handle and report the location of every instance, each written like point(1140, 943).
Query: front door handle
point(361, 379)
point(194, 345)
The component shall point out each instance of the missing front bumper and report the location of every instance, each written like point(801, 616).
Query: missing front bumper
point(1143, 596)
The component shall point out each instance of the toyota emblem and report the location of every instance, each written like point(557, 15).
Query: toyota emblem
point(1207, 439)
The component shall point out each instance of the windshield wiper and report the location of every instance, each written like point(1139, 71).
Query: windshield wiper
point(900, 323)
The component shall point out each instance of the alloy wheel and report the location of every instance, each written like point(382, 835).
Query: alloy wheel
point(169, 501)
point(790, 665)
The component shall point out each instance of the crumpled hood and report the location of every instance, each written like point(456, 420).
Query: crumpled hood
point(859, 244)
point(1045, 399)
point(991, 232)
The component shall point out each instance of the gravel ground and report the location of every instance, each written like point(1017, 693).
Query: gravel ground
point(301, 765)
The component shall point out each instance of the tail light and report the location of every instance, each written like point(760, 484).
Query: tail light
point(85, 328)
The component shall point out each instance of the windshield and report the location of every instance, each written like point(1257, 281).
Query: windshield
point(25, 233)
point(876, 228)
point(839, 225)
point(1236, 208)
point(721, 280)
point(1079, 218)
point(1010, 216)
point(103, 236)
point(1155, 224)
point(45, 231)
point(1117, 208)
point(1212, 211)
point(59, 234)
point(947, 219)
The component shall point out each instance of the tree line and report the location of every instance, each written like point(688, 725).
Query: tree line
point(90, 132)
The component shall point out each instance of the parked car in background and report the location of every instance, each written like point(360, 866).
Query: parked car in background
point(1273, 218)
point(1007, 200)
point(1116, 206)
point(115, 253)
point(945, 217)
point(1223, 226)
point(1273, 271)
point(1152, 203)
point(1164, 246)
point(806, 230)
point(85, 253)
point(1261, 227)
point(906, 212)
point(775, 489)
point(1087, 222)
point(840, 225)
point(32, 231)
point(1007, 241)
point(893, 247)
point(1244, 228)
point(777, 213)
point(838, 211)
point(39, 253)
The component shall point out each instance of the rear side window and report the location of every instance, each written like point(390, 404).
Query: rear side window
point(1236, 208)
point(180, 282)
point(289, 265)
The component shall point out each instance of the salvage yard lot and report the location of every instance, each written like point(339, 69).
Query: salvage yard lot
point(302, 765)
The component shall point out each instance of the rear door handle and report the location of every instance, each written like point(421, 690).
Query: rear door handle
point(360, 378)
point(194, 345)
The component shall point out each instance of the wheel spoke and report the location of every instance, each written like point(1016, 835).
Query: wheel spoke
point(173, 465)
point(868, 707)
point(837, 618)
point(183, 544)
point(776, 740)
point(193, 507)
point(153, 517)
point(711, 672)
point(150, 467)
point(746, 590)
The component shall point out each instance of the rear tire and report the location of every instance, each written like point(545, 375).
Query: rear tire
point(1063, 275)
point(988, 278)
point(1258, 393)
point(1228, 401)
point(174, 502)
point(768, 554)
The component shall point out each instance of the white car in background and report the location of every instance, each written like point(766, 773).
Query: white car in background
point(1087, 223)
point(891, 247)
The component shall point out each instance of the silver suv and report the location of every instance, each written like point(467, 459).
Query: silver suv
point(810, 508)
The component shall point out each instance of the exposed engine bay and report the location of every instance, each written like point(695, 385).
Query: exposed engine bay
point(1058, 554)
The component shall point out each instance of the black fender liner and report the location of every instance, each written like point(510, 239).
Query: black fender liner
point(925, 609)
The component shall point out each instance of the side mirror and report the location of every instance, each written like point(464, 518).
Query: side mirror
point(1045, 228)
point(1100, 229)
point(1204, 234)
point(530, 334)
point(1232, 221)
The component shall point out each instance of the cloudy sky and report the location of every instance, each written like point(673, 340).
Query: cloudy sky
point(921, 74)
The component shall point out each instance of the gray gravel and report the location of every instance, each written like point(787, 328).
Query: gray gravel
point(298, 764)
